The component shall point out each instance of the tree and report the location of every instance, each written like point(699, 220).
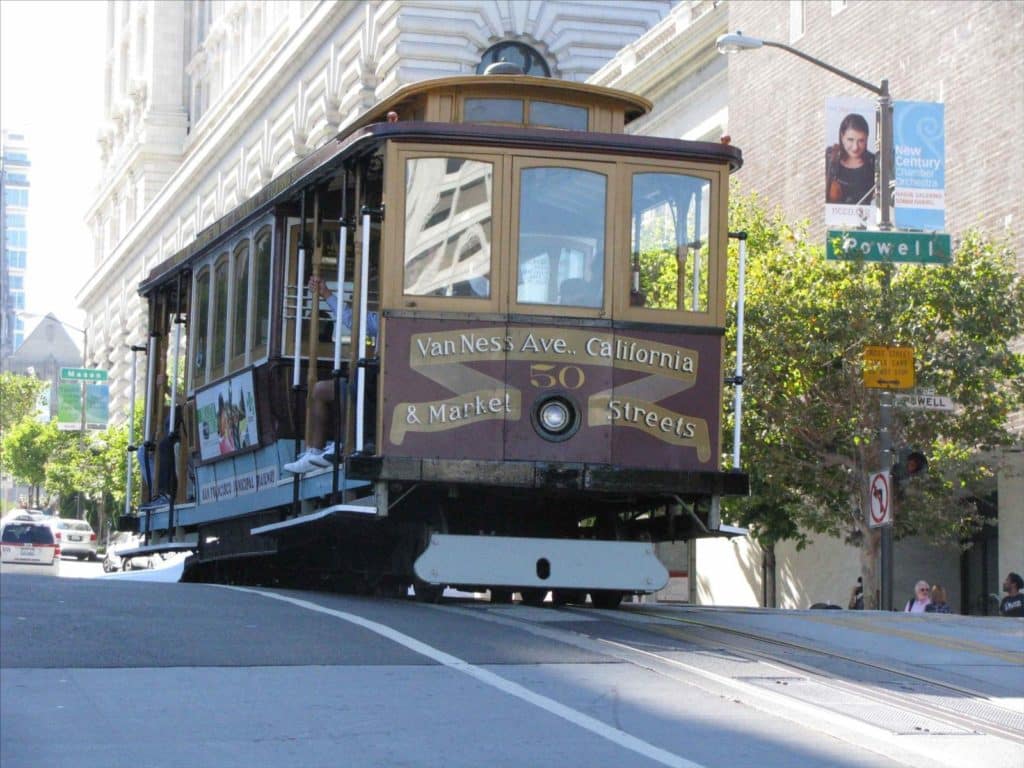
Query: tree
point(94, 467)
point(26, 448)
point(18, 398)
point(810, 425)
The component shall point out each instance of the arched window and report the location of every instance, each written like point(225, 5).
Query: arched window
point(261, 291)
point(240, 313)
point(202, 316)
point(512, 51)
point(219, 308)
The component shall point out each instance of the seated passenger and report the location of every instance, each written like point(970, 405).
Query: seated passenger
point(319, 454)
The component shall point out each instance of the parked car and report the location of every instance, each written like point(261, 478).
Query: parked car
point(76, 537)
point(122, 541)
point(29, 547)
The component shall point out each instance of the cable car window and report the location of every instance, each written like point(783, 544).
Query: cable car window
point(561, 237)
point(261, 304)
point(448, 227)
point(670, 241)
point(241, 305)
point(546, 114)
point(493, 111)
point(219, 310)
point(201, 327)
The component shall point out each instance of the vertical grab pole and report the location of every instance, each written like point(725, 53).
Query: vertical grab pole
point(147, 442)
point(135, 348)
point(147, 424)
point(340, 308)
point(313, 337)
point(300, 295)
point(300, 278)
point(340, 397)
point(738, 377)
point(174, 378)
point(364, 277)
point(172, 425)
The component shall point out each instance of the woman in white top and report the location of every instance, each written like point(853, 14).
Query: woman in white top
point(922, 597)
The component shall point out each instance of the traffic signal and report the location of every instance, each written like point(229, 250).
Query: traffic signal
point(910, 462)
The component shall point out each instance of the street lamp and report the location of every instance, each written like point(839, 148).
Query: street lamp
point(734, 42)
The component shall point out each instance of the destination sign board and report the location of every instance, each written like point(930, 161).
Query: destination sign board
point(889, 367)
point(873, 245)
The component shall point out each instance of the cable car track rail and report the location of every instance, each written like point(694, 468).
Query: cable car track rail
point(1002, 722)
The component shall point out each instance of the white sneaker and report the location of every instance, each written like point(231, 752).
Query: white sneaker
point(307, 461)
point(328, 454)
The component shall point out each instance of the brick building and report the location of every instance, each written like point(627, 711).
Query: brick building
point(772, 104)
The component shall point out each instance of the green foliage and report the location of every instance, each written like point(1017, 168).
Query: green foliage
point(810, 426)
point(27, 447)
point(18, 398)
point(67, 464)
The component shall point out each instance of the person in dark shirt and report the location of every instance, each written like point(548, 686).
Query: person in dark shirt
point(1013, 603)
point(849, 165)
point(938, 603)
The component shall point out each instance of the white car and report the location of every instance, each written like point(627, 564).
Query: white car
point(123, 541)
point(75, 537)
point(22, 515)
point(29, 547)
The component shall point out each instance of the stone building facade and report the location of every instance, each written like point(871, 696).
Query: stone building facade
point(206, 102)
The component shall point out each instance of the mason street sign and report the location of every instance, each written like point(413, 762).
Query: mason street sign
point(83, 374)
point(873, 245)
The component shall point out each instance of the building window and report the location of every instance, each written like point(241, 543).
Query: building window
point(796, 20)
point(16, 197)
point(15, 259)
point(514, 52)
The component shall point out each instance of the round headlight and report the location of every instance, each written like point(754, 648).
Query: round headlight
point(554, 416)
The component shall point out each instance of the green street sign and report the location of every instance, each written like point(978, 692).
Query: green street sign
point(872, 245)
point(83, 374)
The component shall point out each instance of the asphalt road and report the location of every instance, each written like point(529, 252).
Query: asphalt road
point(100, 672)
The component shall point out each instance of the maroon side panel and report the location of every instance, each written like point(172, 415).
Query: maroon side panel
point(463, 389)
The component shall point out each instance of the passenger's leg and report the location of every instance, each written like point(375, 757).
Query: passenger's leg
point(320, 413)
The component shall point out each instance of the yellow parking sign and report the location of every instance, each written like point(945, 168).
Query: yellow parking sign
point(889, 367)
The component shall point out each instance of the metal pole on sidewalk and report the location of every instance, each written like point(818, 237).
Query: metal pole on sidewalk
point(885, 405)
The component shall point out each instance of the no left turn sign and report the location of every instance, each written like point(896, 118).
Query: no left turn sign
point(879, 492)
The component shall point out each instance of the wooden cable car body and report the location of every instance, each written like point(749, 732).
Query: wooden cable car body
point(527, 354)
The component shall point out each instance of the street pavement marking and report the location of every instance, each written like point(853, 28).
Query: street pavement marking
point(852, 623)
point(591, 724)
